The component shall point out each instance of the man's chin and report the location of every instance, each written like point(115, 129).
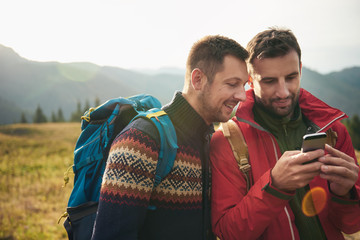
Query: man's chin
point(276, 111)
point(282, 112)
point(224, 118)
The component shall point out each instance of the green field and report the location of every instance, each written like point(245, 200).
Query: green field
point(33, 159)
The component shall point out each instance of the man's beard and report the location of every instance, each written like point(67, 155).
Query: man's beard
point(273, 111)
point(212, 113)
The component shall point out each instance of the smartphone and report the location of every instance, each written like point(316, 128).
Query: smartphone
point(312, 142)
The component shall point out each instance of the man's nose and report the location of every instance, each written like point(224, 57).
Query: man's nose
point(282, 89)
point(240, 94)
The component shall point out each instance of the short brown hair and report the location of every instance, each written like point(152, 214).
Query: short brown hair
point(208, 55)
point(272, 43)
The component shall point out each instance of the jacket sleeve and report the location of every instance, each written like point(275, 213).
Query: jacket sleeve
point(126, 187)
point(345, 213)
point(236, 213)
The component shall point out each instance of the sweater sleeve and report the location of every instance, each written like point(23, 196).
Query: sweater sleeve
point(235, 212)
point(127, 185)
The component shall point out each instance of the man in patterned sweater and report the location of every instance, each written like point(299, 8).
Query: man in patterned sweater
point(214, 84)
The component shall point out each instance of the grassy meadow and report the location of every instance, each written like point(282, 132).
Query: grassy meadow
point(33, 159)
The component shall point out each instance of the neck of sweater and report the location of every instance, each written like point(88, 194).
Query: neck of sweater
point(183, 115)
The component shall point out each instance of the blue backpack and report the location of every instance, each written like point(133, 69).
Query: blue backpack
point(99, 128)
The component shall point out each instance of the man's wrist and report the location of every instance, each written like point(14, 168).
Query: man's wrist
point(350, 195)
point(275, 185)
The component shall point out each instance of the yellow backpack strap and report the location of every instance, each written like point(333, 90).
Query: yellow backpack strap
point(156, 114)
point(238, 145)
point(331, 137)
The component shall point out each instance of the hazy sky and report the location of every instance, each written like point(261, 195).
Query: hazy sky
point(150, 34)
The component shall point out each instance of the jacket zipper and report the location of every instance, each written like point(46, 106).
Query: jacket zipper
point(291, 228)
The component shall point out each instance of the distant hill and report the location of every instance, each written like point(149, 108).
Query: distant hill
point(338, 89)
point(26, 84)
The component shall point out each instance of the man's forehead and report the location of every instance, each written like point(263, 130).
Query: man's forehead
point(277, 66)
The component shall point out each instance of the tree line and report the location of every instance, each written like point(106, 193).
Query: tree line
point(40, 117)
point(353, 126)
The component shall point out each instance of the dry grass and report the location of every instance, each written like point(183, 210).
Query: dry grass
point(33, 159)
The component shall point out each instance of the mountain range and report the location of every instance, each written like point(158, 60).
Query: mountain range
point(26, 84)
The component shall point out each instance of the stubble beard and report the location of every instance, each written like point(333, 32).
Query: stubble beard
point(275, 111)
point(212, 113)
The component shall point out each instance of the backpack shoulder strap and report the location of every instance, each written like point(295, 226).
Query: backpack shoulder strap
point(239, 147)
point(168, 141)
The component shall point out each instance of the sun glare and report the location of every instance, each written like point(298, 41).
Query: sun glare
point(314, 201)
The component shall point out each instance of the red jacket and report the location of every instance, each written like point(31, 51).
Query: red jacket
point(264, 212)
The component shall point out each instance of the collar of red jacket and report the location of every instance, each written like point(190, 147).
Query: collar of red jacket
point(313, 108)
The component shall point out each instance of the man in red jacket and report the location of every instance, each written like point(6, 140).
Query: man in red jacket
point(273, 119)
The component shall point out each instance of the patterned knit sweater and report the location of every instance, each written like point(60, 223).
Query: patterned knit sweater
point(127, 187)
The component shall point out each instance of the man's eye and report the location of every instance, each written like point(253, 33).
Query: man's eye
point(232, 84)
point(291, 77)
point(268, 80)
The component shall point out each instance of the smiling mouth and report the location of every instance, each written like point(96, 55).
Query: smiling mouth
point(282, 103)
point(230, 106)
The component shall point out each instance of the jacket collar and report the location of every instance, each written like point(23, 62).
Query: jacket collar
point(311, 107)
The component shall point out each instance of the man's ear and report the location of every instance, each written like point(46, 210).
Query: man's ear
point(250, 81)
point(197, 79)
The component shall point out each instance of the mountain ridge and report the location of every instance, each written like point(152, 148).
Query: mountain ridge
point(26, 84)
